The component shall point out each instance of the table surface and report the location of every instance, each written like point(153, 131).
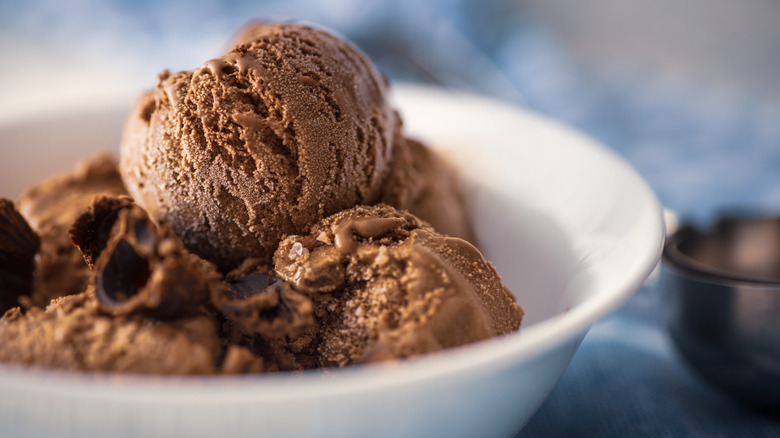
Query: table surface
point(628, 380)
point(702, 147)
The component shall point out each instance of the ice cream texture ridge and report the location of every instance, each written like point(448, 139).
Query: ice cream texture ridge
point(267, 213)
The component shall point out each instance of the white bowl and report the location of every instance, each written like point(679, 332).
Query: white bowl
point(572, 228)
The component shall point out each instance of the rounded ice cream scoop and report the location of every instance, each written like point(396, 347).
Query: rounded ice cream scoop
point(385, 285)
point(290, 126)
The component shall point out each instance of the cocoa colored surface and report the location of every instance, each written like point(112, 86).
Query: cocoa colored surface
point(283, 130)
point(278, 220)
point(386, 285)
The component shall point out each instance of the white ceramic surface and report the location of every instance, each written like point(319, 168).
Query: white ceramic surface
point(572, 228)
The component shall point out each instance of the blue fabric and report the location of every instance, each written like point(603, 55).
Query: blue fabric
point(626, 380)
point(701, 150)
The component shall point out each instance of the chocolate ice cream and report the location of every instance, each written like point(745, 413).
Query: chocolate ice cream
point(260, 143)
point(72, 333)
point(147, 308)
point(290, 126)
point(386, 285)
point(258, 237)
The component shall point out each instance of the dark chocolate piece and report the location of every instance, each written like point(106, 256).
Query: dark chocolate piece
point(50, 207)
point(18, 246)
point(145, 270)
point(262, 304)
point(91, 231)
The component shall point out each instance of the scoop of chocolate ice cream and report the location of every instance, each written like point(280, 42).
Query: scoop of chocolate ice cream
point(287, 128)
point(385, 285)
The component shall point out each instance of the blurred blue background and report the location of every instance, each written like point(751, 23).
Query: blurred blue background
point(687, 90)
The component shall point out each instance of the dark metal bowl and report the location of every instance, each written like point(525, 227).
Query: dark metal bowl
point(723, 291)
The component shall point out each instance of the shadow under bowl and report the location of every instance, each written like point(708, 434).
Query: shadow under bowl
point(723, 302)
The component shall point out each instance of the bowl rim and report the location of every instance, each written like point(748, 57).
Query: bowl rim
point(485, 356)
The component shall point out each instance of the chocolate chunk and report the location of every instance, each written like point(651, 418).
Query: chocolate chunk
point(123, 276)
point(145, 270)
point(92, 229)
point(18, 246)
point(50, 207)
point(262, 304)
